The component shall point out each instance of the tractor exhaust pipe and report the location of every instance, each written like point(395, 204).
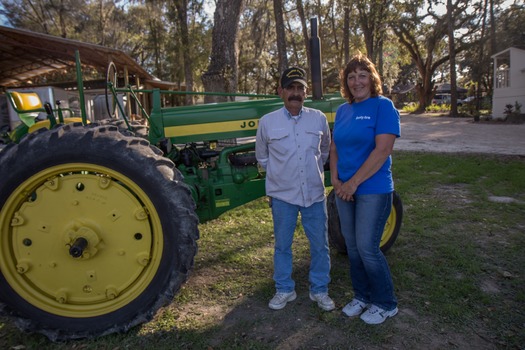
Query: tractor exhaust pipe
point(315, 52)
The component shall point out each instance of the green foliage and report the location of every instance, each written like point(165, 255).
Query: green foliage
point(509, 109)
point(513, 112)
point(442, 108)
point(410, 107)
point(509, 27)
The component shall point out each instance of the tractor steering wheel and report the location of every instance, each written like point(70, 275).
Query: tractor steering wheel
point(110, 86)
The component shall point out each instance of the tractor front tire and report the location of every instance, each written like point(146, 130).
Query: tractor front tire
point(390, 233)
point(97, 231)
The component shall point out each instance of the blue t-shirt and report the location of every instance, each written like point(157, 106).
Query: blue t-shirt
point(355, 128)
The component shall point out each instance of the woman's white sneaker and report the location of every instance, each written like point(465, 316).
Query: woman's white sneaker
point(354, 308)
point(376, 315)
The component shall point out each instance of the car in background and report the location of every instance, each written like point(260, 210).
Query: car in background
point(441, 99)
point(445, 99)
point(470, 99)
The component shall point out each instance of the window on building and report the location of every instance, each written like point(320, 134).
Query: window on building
point(502, 77)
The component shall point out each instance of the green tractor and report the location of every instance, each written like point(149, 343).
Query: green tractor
point(99, 221)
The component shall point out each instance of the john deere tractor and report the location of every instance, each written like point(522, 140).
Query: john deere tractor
point(99, 221)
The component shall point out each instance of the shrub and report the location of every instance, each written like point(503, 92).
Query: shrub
point(433, 108)
point(410, 107)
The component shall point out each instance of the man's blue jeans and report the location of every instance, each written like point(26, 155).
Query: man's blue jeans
point(314, 221)
point(362, 224)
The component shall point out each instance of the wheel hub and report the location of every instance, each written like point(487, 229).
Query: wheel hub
point(82, 242)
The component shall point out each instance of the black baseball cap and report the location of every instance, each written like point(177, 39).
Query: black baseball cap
point(293, 74)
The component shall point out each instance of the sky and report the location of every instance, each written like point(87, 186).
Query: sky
point(3, 20)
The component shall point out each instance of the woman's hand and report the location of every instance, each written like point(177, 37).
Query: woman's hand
point(336, 183)
point(346, 190)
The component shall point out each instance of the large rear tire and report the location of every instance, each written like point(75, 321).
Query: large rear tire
point(97, 231)
point(390, 233)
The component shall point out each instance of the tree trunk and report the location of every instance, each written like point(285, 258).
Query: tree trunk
point(333, 24)
point(452, 60)
point(182, 16)
point(490, 84)
point(346, 33)
point(156, 38)
point(481, 54)
point(372, 18)
point(222, 73)
point(302, 17)
point(281, 36)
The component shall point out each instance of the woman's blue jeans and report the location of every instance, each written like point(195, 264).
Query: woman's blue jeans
point(314, 221)
point(362, 224)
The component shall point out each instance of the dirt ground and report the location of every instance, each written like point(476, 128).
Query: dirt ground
point(443, 134)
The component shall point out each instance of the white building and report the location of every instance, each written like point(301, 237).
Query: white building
point(509, 81)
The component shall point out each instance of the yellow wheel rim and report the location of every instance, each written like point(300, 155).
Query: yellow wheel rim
point(48, 217)
point(389, 227)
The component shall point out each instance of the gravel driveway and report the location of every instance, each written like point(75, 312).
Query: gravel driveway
point(444, 134)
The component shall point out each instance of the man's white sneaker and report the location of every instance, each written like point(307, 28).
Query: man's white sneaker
point(354, 308)
point(279, 300)
point(376, 315)
point(323, 301)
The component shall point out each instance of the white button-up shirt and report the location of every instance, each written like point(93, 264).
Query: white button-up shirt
point(293, 150)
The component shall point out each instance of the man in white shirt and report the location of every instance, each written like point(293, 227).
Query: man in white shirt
point(293, 144)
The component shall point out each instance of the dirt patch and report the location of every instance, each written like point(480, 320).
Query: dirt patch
point(457, 195)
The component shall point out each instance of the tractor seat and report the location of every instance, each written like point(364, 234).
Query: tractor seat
point(26, 101)
point(27, 105)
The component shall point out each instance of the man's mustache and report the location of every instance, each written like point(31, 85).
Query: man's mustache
point(295, 98)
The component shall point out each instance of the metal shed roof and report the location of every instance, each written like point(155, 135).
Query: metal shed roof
point(25, 55)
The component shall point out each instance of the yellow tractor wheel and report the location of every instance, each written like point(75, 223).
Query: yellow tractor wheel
point(96, 231)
